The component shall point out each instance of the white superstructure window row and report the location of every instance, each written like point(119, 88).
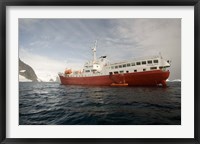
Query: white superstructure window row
point(137, 63)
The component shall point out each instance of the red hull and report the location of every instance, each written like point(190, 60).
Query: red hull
point(147, 78)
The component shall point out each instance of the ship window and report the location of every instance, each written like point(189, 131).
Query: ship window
point(121, 71)
point(155, 61)
point(124, 65)
point(143, 62)
point(138, 63)
point(144, 69)
point(128, 65)
point(110, 73)
point(116, 72)
point(116, 67)
point(133, 64)
point(120, 66)
point(135, 70)
point(112, 67)
point(87, 70)
point(160, 67)
point(127, 71)
point(152, 68)
point(149, 61)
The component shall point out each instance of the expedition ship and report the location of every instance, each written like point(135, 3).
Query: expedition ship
point(148, 71)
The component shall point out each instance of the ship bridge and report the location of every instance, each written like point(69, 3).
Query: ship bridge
point(96, 65)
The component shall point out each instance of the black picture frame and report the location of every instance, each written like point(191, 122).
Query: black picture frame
point(5, 3)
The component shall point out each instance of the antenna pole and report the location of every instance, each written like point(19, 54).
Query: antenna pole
point(94, 51)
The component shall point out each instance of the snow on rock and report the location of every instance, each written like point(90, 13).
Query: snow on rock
point(22, 71)
point(23, 79)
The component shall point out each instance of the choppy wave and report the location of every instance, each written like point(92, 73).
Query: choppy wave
point(55, 104)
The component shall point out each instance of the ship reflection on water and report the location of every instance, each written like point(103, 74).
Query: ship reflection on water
point(55, 104)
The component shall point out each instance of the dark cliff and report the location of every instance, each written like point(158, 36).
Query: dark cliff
point(27, 71)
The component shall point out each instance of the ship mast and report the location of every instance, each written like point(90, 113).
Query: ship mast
point(94, 52)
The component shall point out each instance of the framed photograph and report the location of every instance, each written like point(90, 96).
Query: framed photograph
point(99, 71)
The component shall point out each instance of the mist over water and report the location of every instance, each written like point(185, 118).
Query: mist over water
point(55, 104)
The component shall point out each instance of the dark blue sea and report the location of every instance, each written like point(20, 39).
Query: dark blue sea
point(55, 104)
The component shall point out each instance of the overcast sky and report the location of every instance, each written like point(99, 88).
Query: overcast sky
point(51, 45)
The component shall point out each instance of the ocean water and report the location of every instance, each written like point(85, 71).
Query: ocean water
point(55, 104)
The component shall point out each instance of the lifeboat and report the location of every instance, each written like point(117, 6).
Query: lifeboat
point(68, 71)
